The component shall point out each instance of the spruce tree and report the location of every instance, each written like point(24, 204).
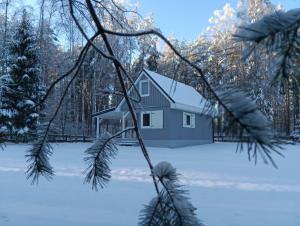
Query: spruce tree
point(18, 114)
point(152, 59)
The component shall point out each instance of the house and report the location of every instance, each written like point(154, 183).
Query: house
point(170, 113)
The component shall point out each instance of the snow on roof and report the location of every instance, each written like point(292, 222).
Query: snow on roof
point(179, 92)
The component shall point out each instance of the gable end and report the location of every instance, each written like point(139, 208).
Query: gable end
point(155, 88)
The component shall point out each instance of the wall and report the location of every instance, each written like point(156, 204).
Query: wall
point(154, 100)
point(172, 134)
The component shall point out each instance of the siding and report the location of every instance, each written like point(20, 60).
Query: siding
point(202, 130)
point(173, 127)
point(153, 101)
point(156, 134)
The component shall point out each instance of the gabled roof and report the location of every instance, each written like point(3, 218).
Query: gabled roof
point(181, 96)
point(178, 92)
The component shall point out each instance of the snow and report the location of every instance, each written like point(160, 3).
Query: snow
point(226, 189)
point(5, 78)
point(179, 92)
point(34, 115)
point(22, 131)
point(22, 58)
point(268, 25)
point(25, 77)
point(8, 113)
point(164, 169)
point(24, 103)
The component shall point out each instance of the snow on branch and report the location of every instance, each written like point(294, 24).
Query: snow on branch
point(255, 129)
point(165, 171)
point(269, 26)
point(279, 34)
point(98, 159)
point(171, 206)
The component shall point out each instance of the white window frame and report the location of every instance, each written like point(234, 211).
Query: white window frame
point(192, 120)
point(156, 119)
point(140, 87)
point(142, 121)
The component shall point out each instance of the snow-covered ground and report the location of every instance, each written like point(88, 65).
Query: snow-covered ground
point(223, 185)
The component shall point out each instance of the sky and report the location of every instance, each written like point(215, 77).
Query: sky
point(186, 19)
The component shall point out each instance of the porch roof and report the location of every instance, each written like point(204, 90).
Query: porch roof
point(108, 114)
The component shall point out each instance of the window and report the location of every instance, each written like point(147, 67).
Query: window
point(188, 120)
point(152, 119)
point(146, 120)
point(144, 88)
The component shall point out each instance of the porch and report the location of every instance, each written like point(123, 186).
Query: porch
point(112, 121)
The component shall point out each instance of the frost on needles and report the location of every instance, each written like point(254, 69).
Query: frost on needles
point(171, 206)
point(278, 34)
point(98, 158)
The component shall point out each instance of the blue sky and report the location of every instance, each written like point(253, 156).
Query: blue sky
point(186, 19)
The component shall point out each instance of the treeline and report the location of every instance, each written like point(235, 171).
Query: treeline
point(58, 43)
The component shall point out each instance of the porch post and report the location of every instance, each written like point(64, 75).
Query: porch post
point(123, 124)
point(97, 127)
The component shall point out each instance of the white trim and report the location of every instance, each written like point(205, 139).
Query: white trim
point(157, 87)
point(140, 87)
point(142, 114)
point(126, 114)
point(192, 120)
point(188, 108)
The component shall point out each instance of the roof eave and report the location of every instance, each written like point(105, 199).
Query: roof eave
point(189, 108)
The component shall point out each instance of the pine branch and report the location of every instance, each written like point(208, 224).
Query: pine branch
point(255, 129)
point(2, 142)
point(171, 206)
point(98, 159)
point(278, 34)
point(269, 26)
point(38, 159)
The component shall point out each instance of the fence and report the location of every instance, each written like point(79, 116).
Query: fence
point(55, 138)
point(223, 138)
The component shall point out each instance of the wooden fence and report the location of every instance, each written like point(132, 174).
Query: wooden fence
point(55, 138)
point(228, 139)
point(220, 138)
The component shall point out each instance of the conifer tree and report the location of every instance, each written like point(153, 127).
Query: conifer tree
point(22, 92)
point(152, 59)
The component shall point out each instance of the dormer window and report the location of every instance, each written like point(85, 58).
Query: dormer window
point(144, 88)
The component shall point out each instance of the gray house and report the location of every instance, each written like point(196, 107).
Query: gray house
point(170, 114)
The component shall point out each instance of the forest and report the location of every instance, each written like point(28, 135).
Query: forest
point(62, 61)
point(57, 42)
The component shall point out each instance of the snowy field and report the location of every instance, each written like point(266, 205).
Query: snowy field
point(223, 185)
